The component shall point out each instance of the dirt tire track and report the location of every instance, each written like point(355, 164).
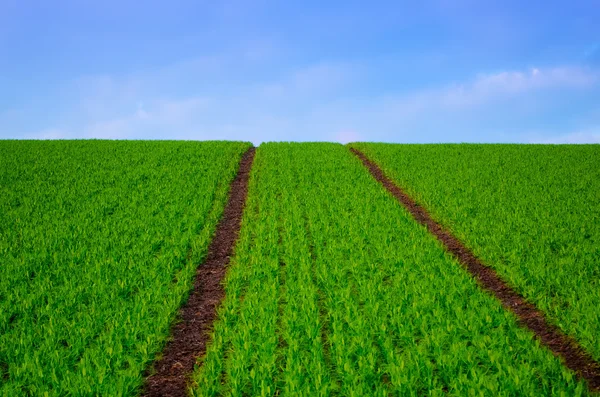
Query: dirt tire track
point(572, 354)
point(191, 334)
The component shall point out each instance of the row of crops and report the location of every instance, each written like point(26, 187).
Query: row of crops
point(333, 289)
point(531, 212)
point(99, 242)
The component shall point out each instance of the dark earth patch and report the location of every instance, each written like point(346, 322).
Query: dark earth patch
point(572, 355)
point(190, 335)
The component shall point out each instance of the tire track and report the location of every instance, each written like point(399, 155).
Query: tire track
point(191, 334)
point(572, 354)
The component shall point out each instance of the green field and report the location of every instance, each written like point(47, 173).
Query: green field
point(333, 289)
point(98, 245)
point(532, 212)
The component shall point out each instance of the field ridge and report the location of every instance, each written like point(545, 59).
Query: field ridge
point(572, 354)
point(189, 337)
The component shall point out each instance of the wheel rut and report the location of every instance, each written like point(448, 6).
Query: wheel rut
point(572, 354)
point(190, 335)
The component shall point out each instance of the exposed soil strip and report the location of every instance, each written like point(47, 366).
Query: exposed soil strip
point(190, 335)
point(572, 355)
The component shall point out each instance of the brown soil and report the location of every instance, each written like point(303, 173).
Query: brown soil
point(572, 355)
point(190, 335)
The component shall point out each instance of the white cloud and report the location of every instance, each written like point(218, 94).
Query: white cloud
point(311, 81)
point(51, 133)
point(577, 137)
point(325, 75)
point(113, 109)
point(488, 101)
point(507, 84)
point(310, 103)
point(347, 136)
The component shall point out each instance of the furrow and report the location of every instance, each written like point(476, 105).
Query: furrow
point(572, 354)
point(190, 335)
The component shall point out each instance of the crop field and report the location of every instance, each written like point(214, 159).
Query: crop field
point(332, 288)
point(98, 246)
point(531, 212)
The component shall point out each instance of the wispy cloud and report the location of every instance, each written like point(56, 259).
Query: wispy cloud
point(347, 136)
point(312, 81)
point(52, 133)
point(585, 136)
point(310, 103)
point(514, 82)
point(592, 52)
point(487, 88)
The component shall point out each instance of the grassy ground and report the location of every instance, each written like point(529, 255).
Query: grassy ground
point(98, 244)
point(335, 290)
point(532, 212)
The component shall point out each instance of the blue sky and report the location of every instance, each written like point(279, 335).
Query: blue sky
point(394, 71)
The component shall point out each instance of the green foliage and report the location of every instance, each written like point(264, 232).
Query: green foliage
point(335, 290)
point(532, 212)
point(98, 244)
